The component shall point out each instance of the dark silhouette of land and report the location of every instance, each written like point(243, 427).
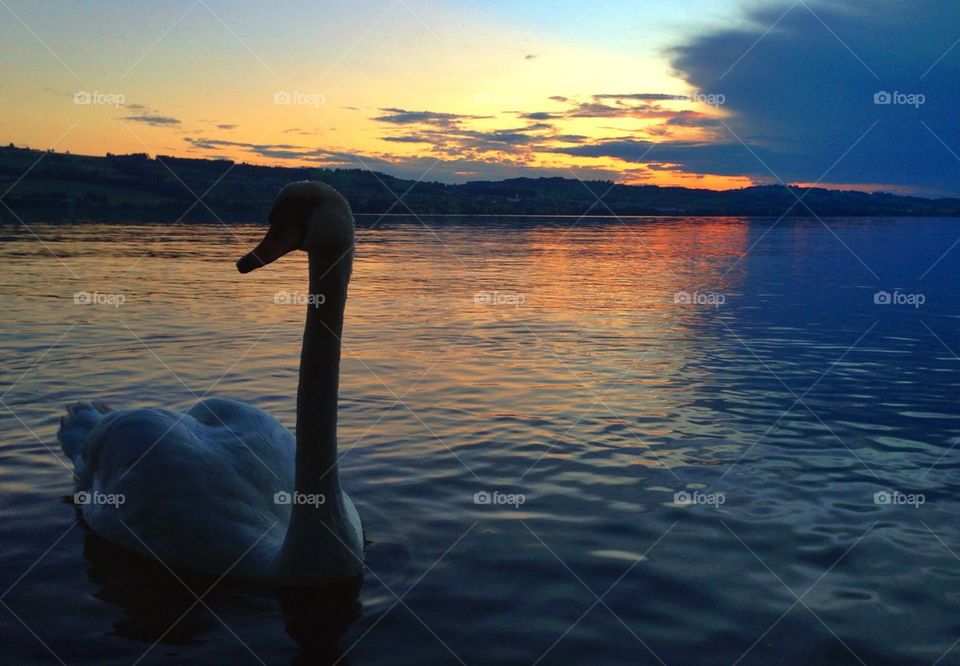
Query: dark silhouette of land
point(65, 187)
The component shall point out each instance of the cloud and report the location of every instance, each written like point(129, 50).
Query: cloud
point(263, 148)
point(638, 96)
point(570, 138)
point(153, 119)
point(226, 126)
point(703, 157)
point(451, 134)
point(411, 138)
point(405, 117)
point(803, 93)
point(454, 168)
point(463, 139)
point(530, 56)
point(540, 115)
point(626, 105)
point(694, 120)
point(625, 110)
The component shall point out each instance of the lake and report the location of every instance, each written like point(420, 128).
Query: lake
point(647, 440)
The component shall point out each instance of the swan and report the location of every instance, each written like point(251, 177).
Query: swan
point(224, 488)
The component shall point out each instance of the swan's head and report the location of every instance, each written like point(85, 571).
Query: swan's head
point(309, 216)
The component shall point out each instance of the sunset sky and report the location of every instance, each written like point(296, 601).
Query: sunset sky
point(699, 93)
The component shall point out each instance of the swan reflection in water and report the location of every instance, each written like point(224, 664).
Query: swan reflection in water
point(160, 607)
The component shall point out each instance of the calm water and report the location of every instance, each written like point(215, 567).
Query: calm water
point(781, 399)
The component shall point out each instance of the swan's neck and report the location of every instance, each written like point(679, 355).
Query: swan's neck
point(320, 377)
point(321, 540)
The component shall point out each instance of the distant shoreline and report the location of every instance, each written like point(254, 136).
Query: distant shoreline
point(60, 187)
point(370, 220)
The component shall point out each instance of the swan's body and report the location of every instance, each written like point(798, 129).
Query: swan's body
point(224, 488)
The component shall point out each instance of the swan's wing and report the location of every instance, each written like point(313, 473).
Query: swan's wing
point(269, 446)
point(195, 489)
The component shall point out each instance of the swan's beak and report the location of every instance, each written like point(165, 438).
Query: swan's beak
point(271, 248)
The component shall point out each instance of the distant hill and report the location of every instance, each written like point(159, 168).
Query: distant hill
point(61, 187)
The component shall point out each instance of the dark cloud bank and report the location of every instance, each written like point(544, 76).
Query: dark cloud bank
point(804, 94)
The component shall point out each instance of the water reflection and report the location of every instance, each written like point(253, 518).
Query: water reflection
point(599, 398)
point(162, 607)
point(317, 618)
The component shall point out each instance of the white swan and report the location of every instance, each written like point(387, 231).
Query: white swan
point(225, 488)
